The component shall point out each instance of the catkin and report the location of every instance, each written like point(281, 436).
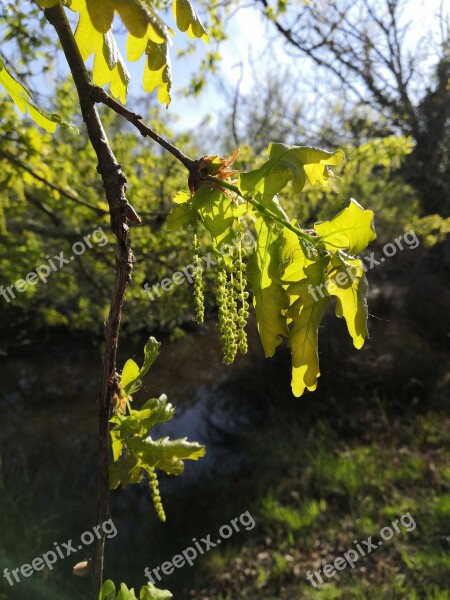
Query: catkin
point(242, 298)
point(156, 496)
point(226, 305)
point(199, 284)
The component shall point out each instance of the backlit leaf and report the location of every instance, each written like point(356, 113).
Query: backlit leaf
point(180, 217)
point(352, 229)
point(289, 163)
point(346, 280)
point(306, 312)
point(22, 99)
point(187, 19)
point(269, 297)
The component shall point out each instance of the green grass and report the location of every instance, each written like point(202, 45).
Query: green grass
point(320, 488)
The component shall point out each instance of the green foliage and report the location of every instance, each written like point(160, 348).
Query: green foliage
point(39, 220)
point(147, 592)
point(22, 99)
point(293, 273)
point(147, 34)
point(373, 170)
point(136, 455)
point(132, 375)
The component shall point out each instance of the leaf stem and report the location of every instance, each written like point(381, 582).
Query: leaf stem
point(264, 210)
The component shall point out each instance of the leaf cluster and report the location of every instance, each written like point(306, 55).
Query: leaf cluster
point(147, 592)
point(136, 455)
point(293, 273)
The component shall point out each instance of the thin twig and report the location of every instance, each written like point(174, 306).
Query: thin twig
point(102, 97)
point(8, 156)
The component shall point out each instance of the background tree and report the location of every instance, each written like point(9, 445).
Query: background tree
point(382, 67)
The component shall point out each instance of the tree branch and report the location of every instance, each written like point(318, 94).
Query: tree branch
point(102, 97)
point(11, 158)
point(114, 183)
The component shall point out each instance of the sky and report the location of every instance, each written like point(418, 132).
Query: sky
point(249, 35)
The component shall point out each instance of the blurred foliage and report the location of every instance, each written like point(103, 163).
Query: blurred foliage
point(40, 221)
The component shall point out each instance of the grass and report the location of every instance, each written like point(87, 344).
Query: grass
point(316, 489)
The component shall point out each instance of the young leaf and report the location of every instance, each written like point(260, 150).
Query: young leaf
point(150, 592)
point(269, 297)
point(160, 411)
point(187, 19)
point(47, 3)
point(109, 66)
point(151, 351)
point(309, 304)
point(108, 591)
point(216, 213)
point(166, 454)
point(181, 197)
point(352, 229)
point(125, 593)
point(22, 99)
point(133, 377)
point(346, 280)
point(286, 163)
point(116, 443)
point(157, 73)
point(139, 422)
point(101, 14)
point(141, 21)
point(180, 217)
point(292, 258)
point(130, 373)
point(124, 471)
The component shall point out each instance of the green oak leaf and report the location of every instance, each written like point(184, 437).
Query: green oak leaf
point(154, 412)
point(181, 217)
point(47, 3)
point(166, 454)
point(181, 197)
point(187, 19)
point(346, 280)
point(269, 297)
point(150, 592)
point(116, 443)
point(108, 591)
point(147, 592)
point(292, 257)
point(124, 471)
point(157, 71)
point(125, 593)
point(306, 311)
point(352, 229)
point(133, 375)
point(286, 163)
point(22, 99)
point(130, 373)
point(215, 210)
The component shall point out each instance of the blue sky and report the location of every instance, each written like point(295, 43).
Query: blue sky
point(248, 35)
